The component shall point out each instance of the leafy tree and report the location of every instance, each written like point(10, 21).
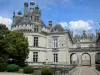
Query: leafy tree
point(3, 46)
point(18, 47)
point(13, 45)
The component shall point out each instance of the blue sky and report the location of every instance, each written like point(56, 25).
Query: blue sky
point(73, 14)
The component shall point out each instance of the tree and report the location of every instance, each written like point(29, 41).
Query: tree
point(3, 46)
point(17, 47)
point(13, 45)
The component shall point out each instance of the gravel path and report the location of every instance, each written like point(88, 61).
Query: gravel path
point(77, 71)
point(8, 73)
point(86, 70)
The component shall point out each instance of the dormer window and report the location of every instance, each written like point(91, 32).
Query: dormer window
point(36, 29)
point(36, 18)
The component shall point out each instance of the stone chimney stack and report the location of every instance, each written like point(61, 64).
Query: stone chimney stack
point(50, 25)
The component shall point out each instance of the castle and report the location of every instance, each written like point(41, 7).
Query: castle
point(53, 45)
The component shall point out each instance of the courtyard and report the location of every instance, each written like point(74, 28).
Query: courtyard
point(84, 70)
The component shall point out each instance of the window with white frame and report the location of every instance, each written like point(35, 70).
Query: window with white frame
point(35, 28)
point(35, 41)
point(55, 57)
point(55, 42)
point(35, 56)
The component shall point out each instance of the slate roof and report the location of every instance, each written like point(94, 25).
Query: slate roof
point(57, 28)
point(19, 20)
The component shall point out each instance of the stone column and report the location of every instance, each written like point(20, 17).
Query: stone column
point(92, 58)
point(79, 58)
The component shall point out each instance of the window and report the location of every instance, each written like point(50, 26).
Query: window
point(36, 18)
point(31, 17)
point(55, 42)
point(35, 56)
point(35, 41)
point(36, 29)
point(56, 57)
point(62, 45)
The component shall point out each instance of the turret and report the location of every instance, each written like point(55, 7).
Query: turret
point(19, 13)
point(32, 3)
point(37, 14)
point(25, 8)
point(37, 10)
point(13, 14)
point(14, 18)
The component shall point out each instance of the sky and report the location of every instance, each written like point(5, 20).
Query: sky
point(75, 15)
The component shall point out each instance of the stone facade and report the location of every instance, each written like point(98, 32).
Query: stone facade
point(53, 45)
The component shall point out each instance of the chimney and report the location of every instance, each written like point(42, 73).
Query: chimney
point(50, 25)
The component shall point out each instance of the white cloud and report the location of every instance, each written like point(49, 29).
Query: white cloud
point(90, 21)
point(64, 24)
point(6, 21)
point(80, 25)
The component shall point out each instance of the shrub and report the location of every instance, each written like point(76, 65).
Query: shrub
point(3, 66)
point(12, 68)
point(28, 69)
point(46, 71)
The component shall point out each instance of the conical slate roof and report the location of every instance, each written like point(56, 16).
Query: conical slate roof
point(57, 28)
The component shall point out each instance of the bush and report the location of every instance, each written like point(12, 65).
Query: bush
point(3, 67)
point(46, 71)
point(12, 68)
point(28, 69)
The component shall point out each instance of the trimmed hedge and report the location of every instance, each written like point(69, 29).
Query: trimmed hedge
point(46, 71)
point(28, 69)
point(3, 67)
point(12, 68)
